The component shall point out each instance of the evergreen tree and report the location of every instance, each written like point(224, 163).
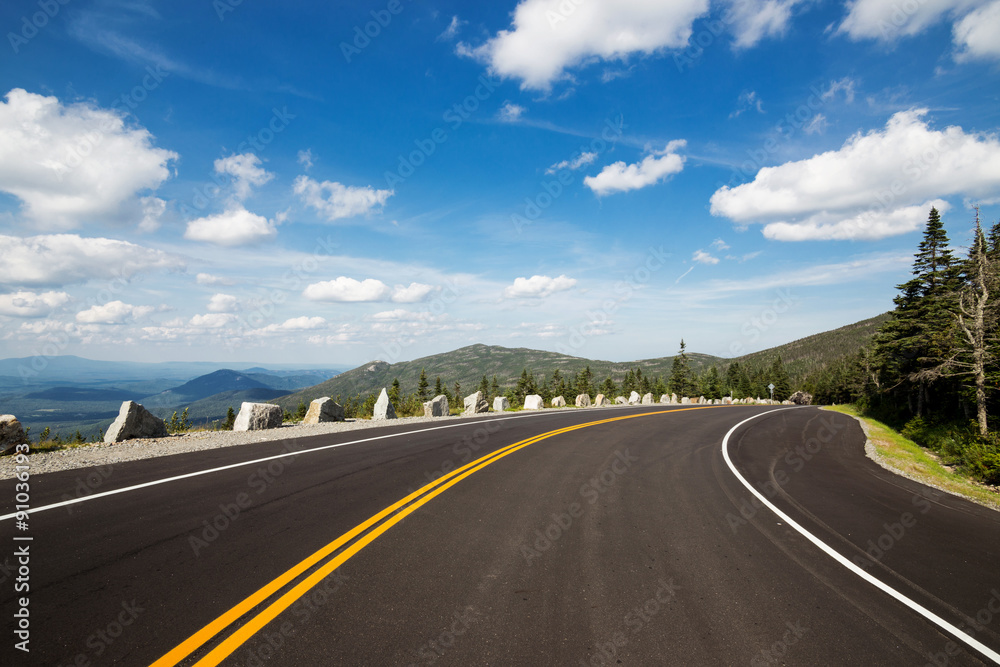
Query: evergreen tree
point(394, 391)
point(437, 386)
point(230, 419)
point(680, 375)
point(778, 376)
point(608, 388)
point(711, 387)
point(422, 385)
point(301, 410)
point(583, 381)
point(458, 391)
point(484, 386)
point(659, 388)
point(495, 387)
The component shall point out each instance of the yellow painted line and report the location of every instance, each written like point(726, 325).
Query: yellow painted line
point(421, 497)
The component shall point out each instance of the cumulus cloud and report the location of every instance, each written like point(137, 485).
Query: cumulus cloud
point(538, 286)
point(872, 185)
point(581, 160)
point(245, 171)
point(74, 163)
point(549, 37)
point(510, 112)
point(703, 257)
point(621, 177)
point(30, 304)
point(412, 293)
point(975, 36)
point(347, 289)
point(223, 303)
point(211, 320)
point(888, 20)
point(294, 324)
point(61, 259)
point(335, 201)
point(234, 227)
point(113, 312)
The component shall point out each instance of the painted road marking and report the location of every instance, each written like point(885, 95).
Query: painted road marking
point(398, 512)
point(102, 494)
point(885, 588)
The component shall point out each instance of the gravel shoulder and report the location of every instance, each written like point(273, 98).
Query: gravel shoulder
point(101, 454)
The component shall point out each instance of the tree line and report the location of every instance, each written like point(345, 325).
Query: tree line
point(931, 370)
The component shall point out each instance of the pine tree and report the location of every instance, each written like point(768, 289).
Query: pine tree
point(680, 375)
point(437, 386)
point(495, 387)
point(230, 419)
point(711, 387)
point(394, 392)
point(458, 391)
point(422, 385)
point(484, 387)
point(608, 388)
point(778, 376)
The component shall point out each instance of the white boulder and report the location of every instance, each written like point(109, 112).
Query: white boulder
point(533, 402)
point(135, 421)
point(558, 402)
point(583, 401)
point(475, 404)
point(383, 407)
point(257, 417)
point(500, 403)
point(437, 407)
point(324, 410)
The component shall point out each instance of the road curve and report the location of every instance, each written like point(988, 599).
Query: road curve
point(629, 541)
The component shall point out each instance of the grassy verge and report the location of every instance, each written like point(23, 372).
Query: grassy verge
point(915, 462)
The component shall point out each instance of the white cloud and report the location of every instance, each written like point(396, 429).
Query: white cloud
point(245, 171)
point(581, 160)
point(817, 125)
point(978, 34)
point(209, 279)
point(452, 30)
point(538, 286)
point(60, 259)
point(223, 303)
point(719, 244)
point(306, 159)
point(620, 177)
point(703, 257)
point(400, 315)
point(294, 324)
point(335, 201)
point(510, 112)
point(748, 100)
point(888, 20)
point(30, 304)
point(413, 293)
point(113, 312)
point(864, 226)
point(869, 184)
point(233, 227)
point(347, 289)
point(211, 320)
point(75, 163)
point(549, 37)
point(753, 20)
point(153, 209)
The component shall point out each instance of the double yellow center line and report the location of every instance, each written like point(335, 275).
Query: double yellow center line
point(395, 513)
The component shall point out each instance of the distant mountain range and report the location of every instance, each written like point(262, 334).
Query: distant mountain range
point(469, 364)
point(71, 393)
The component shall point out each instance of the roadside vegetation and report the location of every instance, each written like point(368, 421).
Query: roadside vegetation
point(931, 372)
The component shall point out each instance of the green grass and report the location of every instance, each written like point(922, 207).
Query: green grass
point(911, 460)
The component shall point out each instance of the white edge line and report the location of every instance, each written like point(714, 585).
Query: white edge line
point(885, 588)
point(103, 494)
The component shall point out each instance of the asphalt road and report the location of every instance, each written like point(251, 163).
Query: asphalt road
point(625, 542)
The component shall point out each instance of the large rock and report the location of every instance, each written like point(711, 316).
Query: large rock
point(601, 401)
point(257, 417)
point(665, 399)
point(674, 399)
point(324, 410)
point(647, 399)
point(727, 400)
point(583, 401)
point(135, 421)
point(621, 400)
point(383, 407)
point(437, 407)
point(685, 400)
point(533, 402)
point(801, 398)
point(500, 403)
point(559, 402)
point(11, 434)
point(634, 398)
point(476, 404)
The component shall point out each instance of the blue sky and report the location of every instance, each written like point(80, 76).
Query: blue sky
point(337, 182)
